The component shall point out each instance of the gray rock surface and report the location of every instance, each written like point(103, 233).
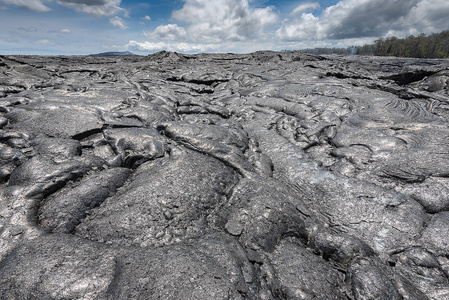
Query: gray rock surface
point(221, 176)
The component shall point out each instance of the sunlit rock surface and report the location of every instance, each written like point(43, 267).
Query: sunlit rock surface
point(221, 176)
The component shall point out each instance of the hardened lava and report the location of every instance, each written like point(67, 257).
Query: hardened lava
point(222, 176)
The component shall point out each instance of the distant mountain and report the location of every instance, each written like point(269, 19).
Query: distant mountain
point(113, 53)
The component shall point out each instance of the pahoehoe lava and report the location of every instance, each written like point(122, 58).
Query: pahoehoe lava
point(223, 176)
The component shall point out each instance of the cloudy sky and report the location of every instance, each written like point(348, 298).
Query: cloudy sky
point(190, 26)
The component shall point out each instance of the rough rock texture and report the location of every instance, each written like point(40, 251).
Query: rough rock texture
point(221, 176)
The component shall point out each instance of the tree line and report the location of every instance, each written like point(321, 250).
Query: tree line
point(435, 45)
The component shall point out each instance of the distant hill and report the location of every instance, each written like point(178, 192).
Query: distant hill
point(113, 53)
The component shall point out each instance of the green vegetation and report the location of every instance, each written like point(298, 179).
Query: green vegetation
point(435, 45)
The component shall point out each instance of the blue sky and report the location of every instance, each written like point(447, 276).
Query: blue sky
point(91, 26)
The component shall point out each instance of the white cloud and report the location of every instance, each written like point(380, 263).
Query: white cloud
point(34, 5)
point(306, 27)
point(214, 21)
point(168, 32)
point(350, 19)
point(118, 22)
point(427, 16)
point(171, 46)
point(147, 18)
point(303, 7)
point(211, 25)
point(236, 26)
point(65, 31)
point(43, 42)
point(98, 8)
point(28, 29)
point(145, 46)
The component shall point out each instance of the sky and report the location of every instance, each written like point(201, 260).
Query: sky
point(78, 27)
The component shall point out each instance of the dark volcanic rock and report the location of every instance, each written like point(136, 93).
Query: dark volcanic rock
point(55, 121)
point(64, 211)
point(220, 176)
point(135, 145)
point(164, 202)
point(298, 281)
